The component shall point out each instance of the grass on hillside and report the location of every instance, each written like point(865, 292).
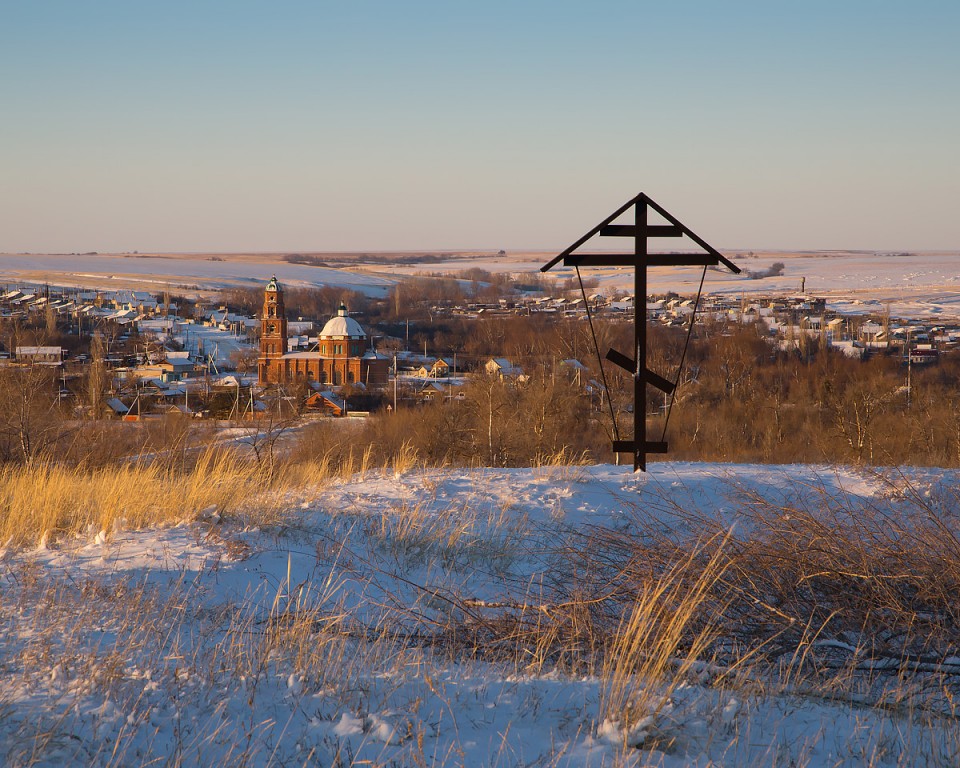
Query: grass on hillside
point(814, 598)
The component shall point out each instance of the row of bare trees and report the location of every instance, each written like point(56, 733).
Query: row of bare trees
point(743, 401)
point(739, 399)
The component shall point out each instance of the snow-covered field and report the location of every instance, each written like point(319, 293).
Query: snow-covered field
point(920, 285)
point(179, 272)
point(352, 633)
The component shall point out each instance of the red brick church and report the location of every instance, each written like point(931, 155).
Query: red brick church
point(342, 356)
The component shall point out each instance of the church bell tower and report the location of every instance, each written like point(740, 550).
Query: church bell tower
point(273, 329)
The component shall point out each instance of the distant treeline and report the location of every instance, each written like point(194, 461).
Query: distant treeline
point(333, 260)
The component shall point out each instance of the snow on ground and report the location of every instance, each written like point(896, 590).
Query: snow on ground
point(203, 342)
point(107, 271)
point(302, 643)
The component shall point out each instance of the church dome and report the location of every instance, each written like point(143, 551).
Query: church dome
point(340, 326)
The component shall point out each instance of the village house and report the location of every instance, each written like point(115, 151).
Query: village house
point(227, 321)
point(39, 355)
point(502, 368)
point(437, 369)
point(114, 407)
point(326, 402)
point(431, 391)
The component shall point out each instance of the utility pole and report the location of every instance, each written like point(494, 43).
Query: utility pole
point(909, 365)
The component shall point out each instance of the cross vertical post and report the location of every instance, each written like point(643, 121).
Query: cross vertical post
point(640, 338)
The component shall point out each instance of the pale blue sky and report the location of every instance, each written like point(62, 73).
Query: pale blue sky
point(386, 125)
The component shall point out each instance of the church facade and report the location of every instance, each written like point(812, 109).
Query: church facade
point(342, 356)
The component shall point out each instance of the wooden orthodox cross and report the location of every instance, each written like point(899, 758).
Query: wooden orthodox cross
point(641, 259)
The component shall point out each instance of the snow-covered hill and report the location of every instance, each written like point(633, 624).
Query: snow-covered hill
point(371, 628)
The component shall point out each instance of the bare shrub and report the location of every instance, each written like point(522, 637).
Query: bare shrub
point(830, 592)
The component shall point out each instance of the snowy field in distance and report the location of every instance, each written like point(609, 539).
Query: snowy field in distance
point(154, 646)
point(915, 285)
point(919, 285)
point(178, 271)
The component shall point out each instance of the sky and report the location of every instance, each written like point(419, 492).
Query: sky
point(364, 125)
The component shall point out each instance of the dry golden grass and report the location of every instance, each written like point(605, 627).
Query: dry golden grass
point(47, 500)
point(658, 643)
point(834, 596)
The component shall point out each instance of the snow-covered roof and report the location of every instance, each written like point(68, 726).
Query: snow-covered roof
point(503, 366)
point(38, 351)
point(333, 399)
point(116, 405)
point(342, 326)
point(223, 316)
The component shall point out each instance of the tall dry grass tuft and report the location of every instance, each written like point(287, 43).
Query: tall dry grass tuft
point(664, 636)
point(562, 465)
point(405, 459)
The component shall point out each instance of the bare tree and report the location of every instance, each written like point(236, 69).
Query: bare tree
point(30, 422)
point(97, 379)
point(855, 411)
point(244, 359)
